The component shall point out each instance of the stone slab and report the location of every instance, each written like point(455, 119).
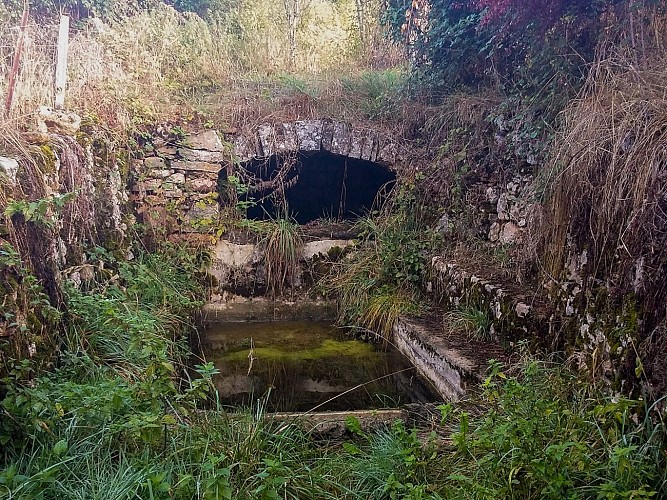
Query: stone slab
point(196, 166)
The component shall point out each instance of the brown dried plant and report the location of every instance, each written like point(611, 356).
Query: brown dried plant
point(608, 183)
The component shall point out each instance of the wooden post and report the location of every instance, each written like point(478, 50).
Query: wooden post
point(61, 66)
point(17, 60)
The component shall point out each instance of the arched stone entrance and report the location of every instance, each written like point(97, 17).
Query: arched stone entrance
point(316, 169)
point(333, 164)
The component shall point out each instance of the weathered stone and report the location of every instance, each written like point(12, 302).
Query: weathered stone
point(494, 232)
point(328, 128)
point(159, 174)
point(492, 195)
point(503, 207)
point(177, 178)
point(510, 233)
point(167, 151)
point(155, 163)
point(522, 310)
point(10, 167)
point(56, 121)
point(201, 217)
point(147, 185)
point(285, 137)
point(266, 139)
point(340, 142)
point(356, 144)
point(209, 141)
point(309, 133)
point(198, 155)
point(196, 166)
point(386, 152)
point(172, 191)
point(202, 185)
point(244, 149)
point(370, 150)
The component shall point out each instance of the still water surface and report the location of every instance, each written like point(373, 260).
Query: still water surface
point(301, 365)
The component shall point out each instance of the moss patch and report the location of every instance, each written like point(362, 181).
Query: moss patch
point(327, 349)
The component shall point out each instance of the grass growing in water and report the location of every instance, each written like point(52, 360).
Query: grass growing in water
point(282, 246)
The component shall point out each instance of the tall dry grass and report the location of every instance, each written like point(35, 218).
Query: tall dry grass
point(124, 72)
point(607, 192)
point(159, 65)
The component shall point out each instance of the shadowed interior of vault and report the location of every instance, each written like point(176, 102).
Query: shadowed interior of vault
point(314, 186)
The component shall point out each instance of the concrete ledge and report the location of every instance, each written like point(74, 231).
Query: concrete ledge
point(452, 363)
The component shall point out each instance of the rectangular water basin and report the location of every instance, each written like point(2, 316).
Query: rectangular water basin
point(301, 366)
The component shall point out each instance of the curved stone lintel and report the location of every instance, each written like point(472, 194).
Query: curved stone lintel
point(333, 136)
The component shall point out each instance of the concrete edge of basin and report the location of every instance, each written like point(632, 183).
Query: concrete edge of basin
point(453, 366)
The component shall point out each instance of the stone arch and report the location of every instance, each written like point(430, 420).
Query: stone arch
point(318, 168)
point(304, 136)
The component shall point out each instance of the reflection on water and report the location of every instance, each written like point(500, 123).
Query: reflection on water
point(305, 364)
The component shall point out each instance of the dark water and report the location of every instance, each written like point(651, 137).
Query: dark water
point(301, 365)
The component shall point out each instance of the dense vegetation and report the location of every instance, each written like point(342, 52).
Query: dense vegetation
point(118, 416)
point(101, 396)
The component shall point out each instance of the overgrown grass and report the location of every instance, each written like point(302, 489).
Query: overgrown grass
point(545, 434)
point(115, 423)
point(138, 67)
point(282, 243)
point(472, 320)
point(379, 280)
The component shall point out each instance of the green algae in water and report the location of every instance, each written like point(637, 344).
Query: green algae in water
point(304, 364)
point(327, 349)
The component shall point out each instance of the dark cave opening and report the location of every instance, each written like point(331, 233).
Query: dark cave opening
point(317, 185)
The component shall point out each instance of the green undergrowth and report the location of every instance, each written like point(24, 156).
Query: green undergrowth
point(380, 280)
point(117, 416)
point(543, 433)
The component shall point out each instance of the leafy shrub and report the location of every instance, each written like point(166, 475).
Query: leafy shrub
point(545, 434)
point(380, 280)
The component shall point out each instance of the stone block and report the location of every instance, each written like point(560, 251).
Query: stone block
point(198, 155)
point(328, 128)
point(177, 178)
point(265, 133)
point(155, 163)
point(356, 144)
point(159, 174)
point(309, 134)
point(209, 141)
point(244, 149)
point(202, 185)
point(340, 141)
point(369, 146)
point(510, 233)
point(386, 152)
point(167, 151)
point(196, 166)
point(147, 185)
point(285, 137)
point(9, 166)
point(200, 218)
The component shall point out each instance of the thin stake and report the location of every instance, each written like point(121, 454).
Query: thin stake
point(17, 60)
point(61, 67)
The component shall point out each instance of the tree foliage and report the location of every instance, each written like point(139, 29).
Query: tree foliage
point(533, 45)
